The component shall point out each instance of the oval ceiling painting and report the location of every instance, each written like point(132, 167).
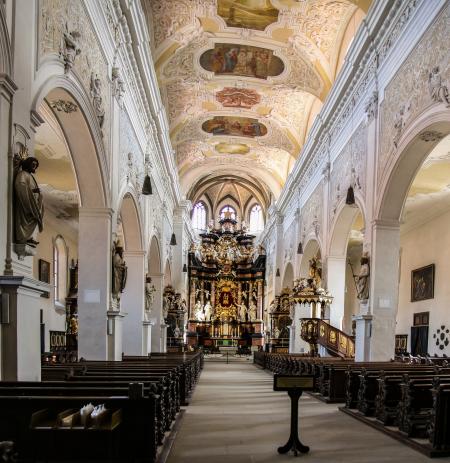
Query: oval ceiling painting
point(232, 148)
point(250, 14)
point(234, 126)
point(241, 60)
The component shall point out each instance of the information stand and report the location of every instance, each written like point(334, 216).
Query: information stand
point(294, 386)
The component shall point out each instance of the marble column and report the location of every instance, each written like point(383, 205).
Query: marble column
point(260, 299)
point(20, 328)
point(192, 297)
point(300, 311)
point(383, 300)
point(157, 318)
point(336, 285)
point(94, 283)
point(132, 303)
point(146, 337)
point(163, 337)
point(213, 294)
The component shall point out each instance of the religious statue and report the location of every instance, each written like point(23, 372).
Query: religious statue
point(198, 311)
point(28, 205)
point(315, 271)
point(119, 271)
point(363, 280)
point(242, 311)
point(183, 306)
point(97, 100)
point(208, 310)
point(167, 303)
point(276, 332)
point(438, 91)
point(73, 324)
point(149, 293)
point(253, 312)
point(272, 307)
point(177, 332)
point(70, 49)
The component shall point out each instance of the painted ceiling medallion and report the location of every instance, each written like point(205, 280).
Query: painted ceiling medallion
point(235, 126)
point(249, 14)
point(232, 148)
point(241, 60)
point(232, 97)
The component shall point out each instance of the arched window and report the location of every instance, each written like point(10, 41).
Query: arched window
point(59, 270)
point(199, 216)
point(256, 219)
point(228, 212)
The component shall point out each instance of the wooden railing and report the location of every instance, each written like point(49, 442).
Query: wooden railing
point(317, 331)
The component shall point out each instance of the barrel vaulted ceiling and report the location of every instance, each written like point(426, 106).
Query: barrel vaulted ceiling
point(242, 81)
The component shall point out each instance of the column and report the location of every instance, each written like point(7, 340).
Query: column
point(132, 303)
point(300, 311)
point(213, 294)
point(163, 338)
point(383, 299)
point(336, 285)
point(94, 282)
point(192, 297)
point(260, 299)
point(21, 353)
point(157, 319)
point(146, 337)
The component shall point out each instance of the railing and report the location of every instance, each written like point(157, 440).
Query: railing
point(317, 331)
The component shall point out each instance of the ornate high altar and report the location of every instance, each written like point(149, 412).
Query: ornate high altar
point(226, 278)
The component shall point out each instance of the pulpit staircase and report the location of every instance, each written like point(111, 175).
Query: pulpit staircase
point(317, 332)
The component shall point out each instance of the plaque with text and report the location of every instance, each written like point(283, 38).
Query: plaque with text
point(289, 382)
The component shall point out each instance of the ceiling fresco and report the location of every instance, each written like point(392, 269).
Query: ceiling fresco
point(250, 14)
point(247, 78)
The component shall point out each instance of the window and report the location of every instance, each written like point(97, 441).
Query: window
point(59, 270)
point(228, 212)
point(256, 219)
point(199, 216)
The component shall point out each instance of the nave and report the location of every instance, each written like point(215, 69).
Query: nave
point(235, 416)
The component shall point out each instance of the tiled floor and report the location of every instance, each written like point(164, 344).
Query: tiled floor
point(236, 417)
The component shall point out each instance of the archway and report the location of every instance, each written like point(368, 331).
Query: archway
point(72, 181)
point(155, 320)
point(310, 250)
point(392, 299)
point(288, 277)
point(343, 264)
point(132, 298)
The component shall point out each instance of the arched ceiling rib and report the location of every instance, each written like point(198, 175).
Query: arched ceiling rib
point(240, 79)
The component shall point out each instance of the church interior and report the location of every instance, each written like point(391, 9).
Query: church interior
point(209, 203)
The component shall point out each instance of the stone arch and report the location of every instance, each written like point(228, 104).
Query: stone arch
point(311, 249)
point(339, 281)
point(342, 224)
point(167, 274)
point(83, 136)
point(154, 257)
point(131, 223)
point(288, 276)
point(415, 145)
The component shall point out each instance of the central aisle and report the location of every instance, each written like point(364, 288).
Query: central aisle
point(236, 417)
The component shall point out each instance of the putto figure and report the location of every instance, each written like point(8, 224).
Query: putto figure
point(28, 205)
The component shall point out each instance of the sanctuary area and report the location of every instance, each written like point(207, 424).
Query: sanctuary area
point(200, 197)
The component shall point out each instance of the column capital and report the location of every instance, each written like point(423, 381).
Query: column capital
point(386, 224)
point(7, 86)
point(95, 212)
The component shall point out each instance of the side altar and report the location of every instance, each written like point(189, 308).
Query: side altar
point(226, 278)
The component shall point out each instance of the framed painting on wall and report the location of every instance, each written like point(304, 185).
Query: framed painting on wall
point(44, 271)
point(422, 283)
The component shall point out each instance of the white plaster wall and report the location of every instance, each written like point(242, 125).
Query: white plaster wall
point(424, 245)
point(55, 320)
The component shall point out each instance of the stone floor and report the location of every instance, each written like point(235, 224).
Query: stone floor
point(235, 417)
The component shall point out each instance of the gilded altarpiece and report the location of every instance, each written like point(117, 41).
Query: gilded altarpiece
point(226, 279)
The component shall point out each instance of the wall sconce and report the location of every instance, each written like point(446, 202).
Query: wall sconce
point(300, 248)
point(277, 274)
point(173, 240)
point(184, 268)
point(350, 200)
